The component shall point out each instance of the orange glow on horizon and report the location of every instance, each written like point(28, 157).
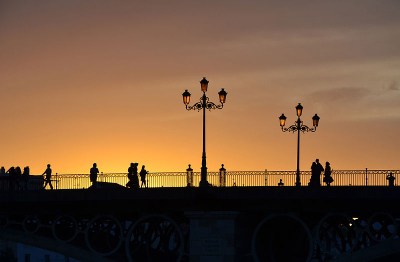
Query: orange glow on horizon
point(84, 83)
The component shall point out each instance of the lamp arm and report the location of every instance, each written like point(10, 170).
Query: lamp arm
point(211, 105)
point(292, 128)
point(299, 126)
point(204, 104)
point(304, 128)
point(198, 106)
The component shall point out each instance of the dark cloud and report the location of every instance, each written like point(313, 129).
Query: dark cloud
point(394, 86)
point(343, 94)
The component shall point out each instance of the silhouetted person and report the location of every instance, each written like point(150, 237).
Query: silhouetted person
point(132, 176)
point(318, 170)
point(143, 174)
point(391, 179)
point(11, 177)
point(18, 176)
point(93, 174)
point(315, 180)
point(25, 178)
point(2, 171)
point(327, 176)
point(47, 172)
point(3, 179)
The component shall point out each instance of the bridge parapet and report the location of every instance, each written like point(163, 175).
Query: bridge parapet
point(231, 179)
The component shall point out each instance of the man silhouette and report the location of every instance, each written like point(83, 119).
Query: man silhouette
point(143, 174)
point(319, 168)
point(391, 179)
point(48, 177)
point(93, 174)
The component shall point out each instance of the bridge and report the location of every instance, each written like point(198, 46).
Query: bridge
point(251, 223)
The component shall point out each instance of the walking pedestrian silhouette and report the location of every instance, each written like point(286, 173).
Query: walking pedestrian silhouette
point(47, 172)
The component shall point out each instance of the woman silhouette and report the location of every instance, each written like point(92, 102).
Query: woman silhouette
point(313, 180)
point(327, 176)
point(143, 174)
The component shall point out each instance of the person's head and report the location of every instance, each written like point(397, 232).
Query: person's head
point(48, 165)
point(313, 163)
point(143, 167)
point(94, 165)
point(132, 164)
point(317, 160)
point(136, 164)
point(327, 163)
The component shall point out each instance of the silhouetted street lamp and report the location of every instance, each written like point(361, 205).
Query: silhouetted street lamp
point(204, 104)
point(298, 126)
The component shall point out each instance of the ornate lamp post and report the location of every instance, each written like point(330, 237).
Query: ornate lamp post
point(204, 104)
point(298, 126)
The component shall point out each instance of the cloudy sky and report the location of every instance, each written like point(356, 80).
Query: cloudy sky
point(102, 81)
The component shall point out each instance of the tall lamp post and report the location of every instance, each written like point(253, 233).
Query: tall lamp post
point(204, 104)
point(298, 126)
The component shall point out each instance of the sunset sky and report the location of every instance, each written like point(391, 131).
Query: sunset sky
point(102, 81)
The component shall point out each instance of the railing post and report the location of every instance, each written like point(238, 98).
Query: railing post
point(189, 176)
point(366, 176)
point(56, 181)
point(266, 177)
point(222, 176)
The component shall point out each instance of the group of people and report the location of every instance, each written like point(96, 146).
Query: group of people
point(316, 170)
point(16, 178)
point(133, 176)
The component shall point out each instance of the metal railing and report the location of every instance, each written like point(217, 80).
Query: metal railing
point(341, 177)
point(232, 178)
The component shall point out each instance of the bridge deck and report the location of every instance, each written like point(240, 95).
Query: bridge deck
point(165, 200)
